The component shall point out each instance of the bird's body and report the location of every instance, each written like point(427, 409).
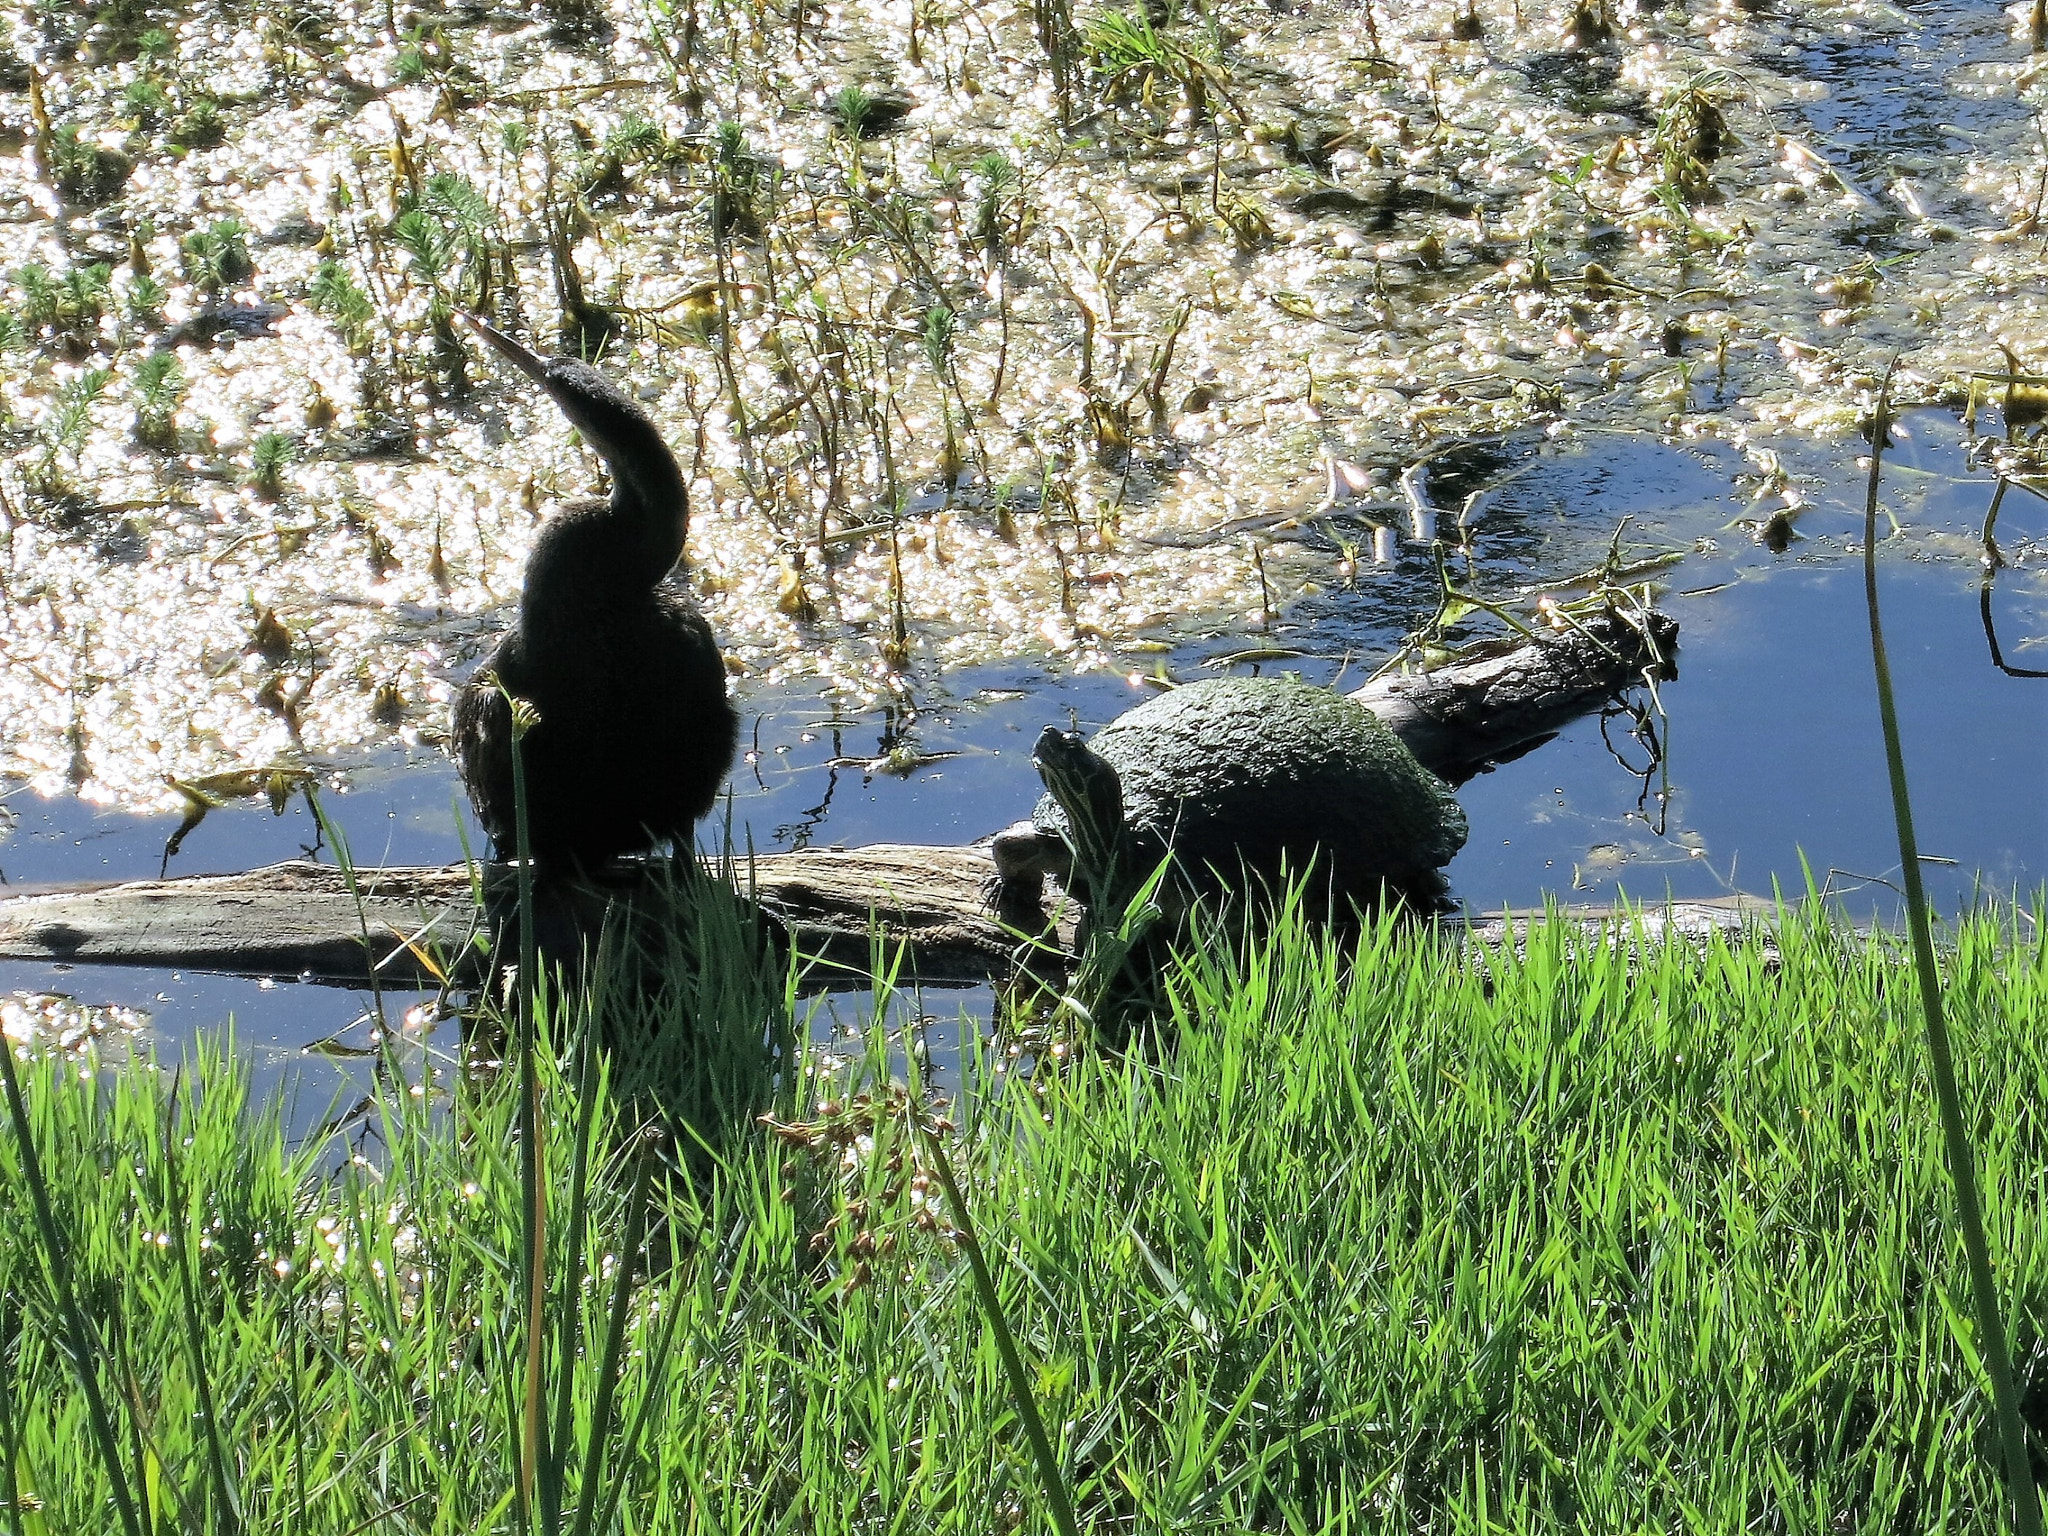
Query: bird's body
point(633, 737)
point(633, 732)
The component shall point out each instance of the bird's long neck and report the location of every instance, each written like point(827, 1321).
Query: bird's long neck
point(621, 552)
point(650, 506)
point(594, 558)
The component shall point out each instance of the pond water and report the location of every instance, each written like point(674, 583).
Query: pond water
point(1771, 774)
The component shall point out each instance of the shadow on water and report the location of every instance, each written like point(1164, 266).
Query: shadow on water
point(1771, 763)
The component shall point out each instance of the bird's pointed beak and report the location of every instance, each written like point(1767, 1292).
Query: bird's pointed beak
point(529, 363)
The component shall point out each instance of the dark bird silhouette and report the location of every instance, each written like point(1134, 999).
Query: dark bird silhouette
point(634, 731)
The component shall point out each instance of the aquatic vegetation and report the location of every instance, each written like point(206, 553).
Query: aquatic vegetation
point(1359, 231)
point(269, 456)
point(217, 256)
point(159, 386)
point(199, 126)
point(86, 172)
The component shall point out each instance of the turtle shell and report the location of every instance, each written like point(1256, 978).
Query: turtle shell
point(1277, 776)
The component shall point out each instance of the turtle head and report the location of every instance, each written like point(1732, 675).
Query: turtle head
point(1088, 790)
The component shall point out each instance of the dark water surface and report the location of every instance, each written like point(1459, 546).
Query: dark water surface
point(1892, 107)
point(1772, 756)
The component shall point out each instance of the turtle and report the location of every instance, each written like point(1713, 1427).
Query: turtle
point(1266, 777)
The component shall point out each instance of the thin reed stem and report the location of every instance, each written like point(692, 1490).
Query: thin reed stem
point(1962, 1161)
point(533, 1432)
point(1049, 1475)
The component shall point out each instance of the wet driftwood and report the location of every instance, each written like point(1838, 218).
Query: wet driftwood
point(407, 924)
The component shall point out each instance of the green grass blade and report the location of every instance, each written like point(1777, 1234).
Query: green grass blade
point(569, 1304)
point(78, 1331)
point(184, 1260)
point(614, 1349)
point(1050, 1477)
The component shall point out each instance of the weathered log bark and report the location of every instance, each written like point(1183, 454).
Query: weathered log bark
point(1496, 703)
point(403, 924)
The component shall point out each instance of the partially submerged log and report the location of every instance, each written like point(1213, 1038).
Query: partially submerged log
point(409, 926)
point(412, 926)
point(296, 919)
point(1508, 697)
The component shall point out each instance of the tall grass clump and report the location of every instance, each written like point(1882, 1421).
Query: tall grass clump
point(1571, 1235)
point(1573, 1232)
point(457, 1310)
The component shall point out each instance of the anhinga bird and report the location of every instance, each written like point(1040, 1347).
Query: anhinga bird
point(634, 731)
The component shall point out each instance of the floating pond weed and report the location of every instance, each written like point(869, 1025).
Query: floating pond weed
point(588, 196)
point(269, 456)
point(218, 257)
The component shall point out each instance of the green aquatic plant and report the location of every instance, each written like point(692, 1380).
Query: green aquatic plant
point(862, 114)
point(146, 102)
point(217, 256)
point(143, 299)
point(438, 233)
point(1052, 21)
point(1692, 134)
point(1591, 23)
point(473, 235)
point(997, 174)
point(87, 290)
point(1137, 59)
point(65, 306)
point(66, 427)
point(85, 171)
point(588, 328)
point(334, 293)
point(635, 143)
point(1246, 218)
point(998, 226)
point(940, 327)
point(269, 457)
point(851, 109)
point(200, 126)
point(422, 55)
point(737, 184)
point(159, 390)
point(636, 139)
point(427, 241)
point(42, 297)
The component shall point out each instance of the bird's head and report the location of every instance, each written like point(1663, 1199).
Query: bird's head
point(647, 483)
